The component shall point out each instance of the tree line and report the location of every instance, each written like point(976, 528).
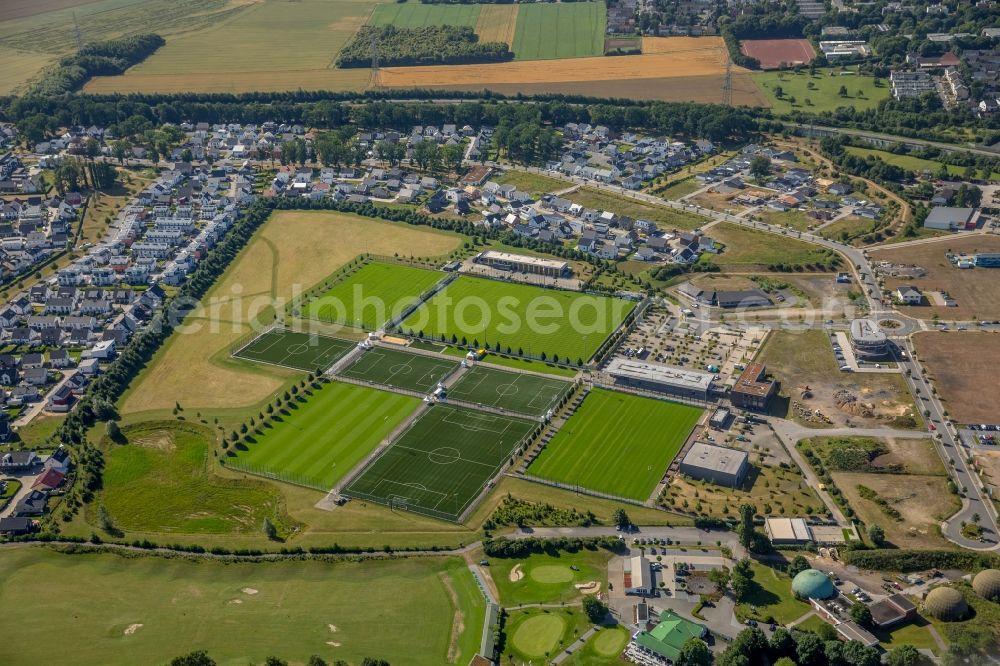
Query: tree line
point(36, 116)
point(106, 58)
point(426, 45)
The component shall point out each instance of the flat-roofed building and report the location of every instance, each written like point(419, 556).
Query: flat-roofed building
point(716, 464)
point(661, 378)
point(507, 261)
point(868, 340)
point(753, 390)
point(892, 610)
point(852, 631)
point(949, 218)
point(787, 530)
point(639, 577)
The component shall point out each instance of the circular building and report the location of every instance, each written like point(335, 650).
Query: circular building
point(868, 340)
point(987, 584)
point(946, 603)
point(812, 584)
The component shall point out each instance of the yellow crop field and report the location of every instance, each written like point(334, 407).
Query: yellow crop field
point(645, 66)
point(712, 48)
point(291, 252)
point(497, 23)
point(232, 82)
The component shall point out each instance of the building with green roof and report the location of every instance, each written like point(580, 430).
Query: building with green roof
point(812, 584)
point(667, 637)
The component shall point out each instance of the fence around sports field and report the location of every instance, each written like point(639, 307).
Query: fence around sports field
point(263, 472)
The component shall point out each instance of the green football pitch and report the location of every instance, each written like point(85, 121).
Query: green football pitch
point(442, 462)
point(327, 436)
point(372, 295)
point(617, 443)
point(292, 349)
point(516, 391)
point(533, 320)
point(402, 369)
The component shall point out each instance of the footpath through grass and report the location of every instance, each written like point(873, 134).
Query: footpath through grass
point(147, 610)
point(617, 443)
point(329, 433)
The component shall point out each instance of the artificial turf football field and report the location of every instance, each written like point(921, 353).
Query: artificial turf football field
point(617, 443)
point(318, 443)
point(534, 320)
point(402, 369)
point(439, 465)
point(372, 295)
point(292, 349)
point(516, 391)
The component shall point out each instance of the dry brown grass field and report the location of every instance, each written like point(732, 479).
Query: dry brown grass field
point(497, 23)
point(15, 9)
point(922, 501)
point(293, 250)
point(977, 291)
point(962, 367)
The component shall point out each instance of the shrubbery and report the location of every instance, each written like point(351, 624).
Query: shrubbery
point(429, 45)
point(921, 560)
point(95, 59)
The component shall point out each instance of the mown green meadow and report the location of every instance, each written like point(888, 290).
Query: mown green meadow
point(146, 610)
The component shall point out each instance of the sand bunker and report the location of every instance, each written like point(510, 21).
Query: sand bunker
point(248, 590)
point(516, 574)
point(333, 643)
point(590, 587)
point(235, 601)
point(132, 628)
point(332, 627)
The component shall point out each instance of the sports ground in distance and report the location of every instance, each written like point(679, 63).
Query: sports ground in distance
point(634, 436)
point(522, 319)
point(516, 391)
point(400, 369)
point(441, 463)
point(291, 349)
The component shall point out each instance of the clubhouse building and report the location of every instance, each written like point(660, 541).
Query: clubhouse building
point(505, 261)
point(659, 378)
point(715, 464)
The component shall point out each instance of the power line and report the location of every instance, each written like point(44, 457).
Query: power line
point(374, 49)
point(727, 85)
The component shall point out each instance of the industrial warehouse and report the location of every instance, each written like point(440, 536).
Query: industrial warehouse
point(715, 464)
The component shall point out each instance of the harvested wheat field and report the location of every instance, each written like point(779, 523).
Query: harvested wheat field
point(232, 82)
point(712, 48)
point(703, 89)
point(497, 23)
point(669, 69)
point(671, 58)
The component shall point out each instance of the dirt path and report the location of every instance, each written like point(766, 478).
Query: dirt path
point(457, 623)
point(484, 574)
